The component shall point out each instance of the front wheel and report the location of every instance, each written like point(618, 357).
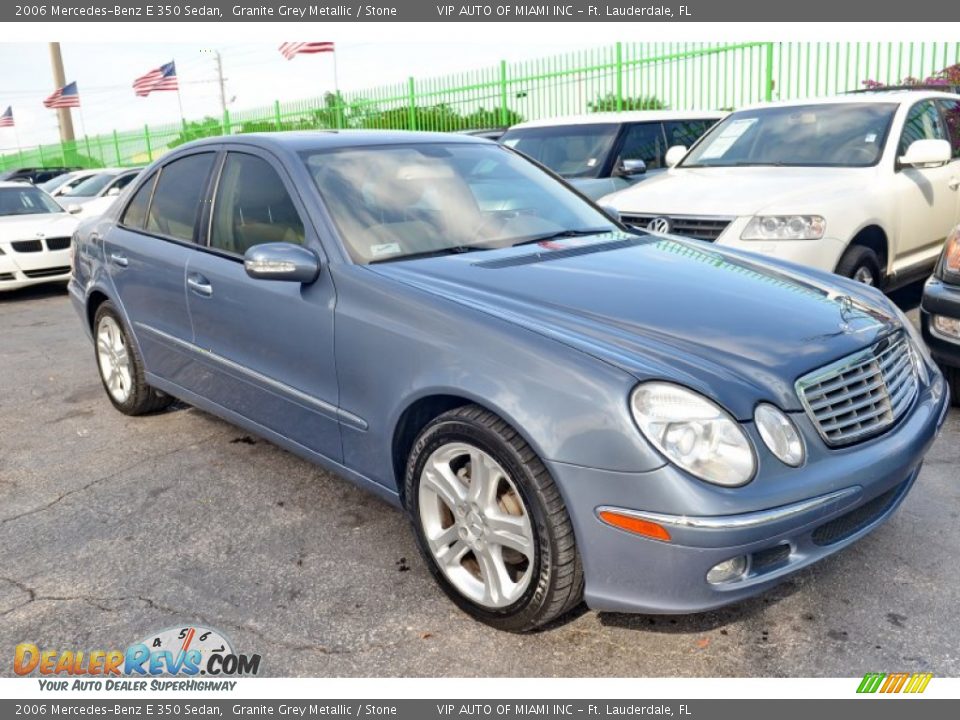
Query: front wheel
point(861, 264)
point(490, 522)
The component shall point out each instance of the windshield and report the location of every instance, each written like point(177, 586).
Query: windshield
point(54, 183)
point(824, 135)
point(91, 186)
point(568, 150)
point(397, 201)
point(27, 200)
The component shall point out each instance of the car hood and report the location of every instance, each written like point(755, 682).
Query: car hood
point(734, 326)
point(738, 191)
point(29, 227)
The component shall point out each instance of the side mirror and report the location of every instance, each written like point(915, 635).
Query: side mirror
point(113, 191)
point(611, 212)
point(282, 261)
point(629, 168)
point(675, 155)
point(74, 209)
point(926, 152)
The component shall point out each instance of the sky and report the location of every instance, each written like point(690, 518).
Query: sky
point(257, 74)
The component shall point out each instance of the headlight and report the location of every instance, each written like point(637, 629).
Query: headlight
point(784, 227)
point(779, 434)
point(694, 433)
point(951, 253)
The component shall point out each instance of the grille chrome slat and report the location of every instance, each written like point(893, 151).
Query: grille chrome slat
point(861, 395)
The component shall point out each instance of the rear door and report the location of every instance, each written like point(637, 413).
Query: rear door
point(146, 253)
point(266, 345)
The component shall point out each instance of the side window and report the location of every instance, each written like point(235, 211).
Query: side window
point(176, 201)
point(644, 141)
point(685, 132)
point(136, 212)
point(252, 207)
point(923, 123)
point(951, 117)
point(121, 182)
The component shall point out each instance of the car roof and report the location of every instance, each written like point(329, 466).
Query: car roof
point(872, 97)
point(306, 140)
point(15, 184)
point(623, 117)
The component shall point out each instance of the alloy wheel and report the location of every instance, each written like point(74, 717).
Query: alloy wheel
point(114, 359)
point(476, 525)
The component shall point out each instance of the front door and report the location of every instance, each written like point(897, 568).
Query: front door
point(266, 346)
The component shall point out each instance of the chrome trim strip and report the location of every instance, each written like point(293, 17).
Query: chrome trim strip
point(321, 405)
point(737, 522)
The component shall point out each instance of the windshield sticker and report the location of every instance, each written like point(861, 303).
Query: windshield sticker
point(385, 249)
point(725, 140)
point(591, 162)
point(872, 137)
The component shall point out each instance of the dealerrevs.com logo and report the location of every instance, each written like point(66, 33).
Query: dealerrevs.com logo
point(181, 652)
point(892, 683)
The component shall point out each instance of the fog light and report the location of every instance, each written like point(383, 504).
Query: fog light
point(950, 327)
point(727, 571)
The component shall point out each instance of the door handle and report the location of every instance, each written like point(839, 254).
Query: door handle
point(954, 183)
point(199, 284)
point(119, 259)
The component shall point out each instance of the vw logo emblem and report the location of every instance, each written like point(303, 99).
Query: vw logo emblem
point(659, 224)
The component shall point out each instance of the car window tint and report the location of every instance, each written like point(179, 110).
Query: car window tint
point(951, 116)
point(252, 207)
point(923, 123)
point(176, 201)
point(122, 182)
point(644, 141)
point(136, 212)
point(685, 132)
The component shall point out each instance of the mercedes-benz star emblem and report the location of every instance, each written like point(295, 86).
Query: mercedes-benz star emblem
point(659, 224)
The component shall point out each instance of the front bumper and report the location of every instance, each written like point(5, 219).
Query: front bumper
point(625, 572)
point(18, 270)
point(940, 298)
point(823, 254)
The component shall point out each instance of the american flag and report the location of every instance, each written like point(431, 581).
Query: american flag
point(291, 50)
point(6, 120)
point(162, 78)
point(66, 97)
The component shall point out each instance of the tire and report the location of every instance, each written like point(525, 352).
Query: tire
point(540, 581)
point(952, 376)
point(126, 389)
point(860, 262)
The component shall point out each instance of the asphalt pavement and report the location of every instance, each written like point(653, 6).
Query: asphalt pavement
point(113, 528)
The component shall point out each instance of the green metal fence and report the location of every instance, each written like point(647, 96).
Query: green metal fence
point(617, 77)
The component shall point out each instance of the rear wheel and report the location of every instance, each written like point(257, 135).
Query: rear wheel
point(490, 522)
point(861, 264)
point(121, 367)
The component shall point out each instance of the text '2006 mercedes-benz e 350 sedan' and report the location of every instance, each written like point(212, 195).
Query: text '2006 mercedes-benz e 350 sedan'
point(566, 409)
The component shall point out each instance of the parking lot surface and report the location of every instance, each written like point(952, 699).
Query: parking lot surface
point(113, 528)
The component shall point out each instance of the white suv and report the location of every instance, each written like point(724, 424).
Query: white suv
point(865, 185)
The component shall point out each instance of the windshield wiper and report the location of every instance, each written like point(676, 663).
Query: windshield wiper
point(562, 234)
point(453, 250)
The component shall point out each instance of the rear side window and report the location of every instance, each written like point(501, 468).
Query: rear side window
point(685, 132)
point(252, 207)
point(136, 212)
point(951, 118)
point(176, 201)
point(923, 123)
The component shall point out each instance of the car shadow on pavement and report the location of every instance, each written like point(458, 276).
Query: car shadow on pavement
point(700, 622)
point(908, 297)
point(34, 292)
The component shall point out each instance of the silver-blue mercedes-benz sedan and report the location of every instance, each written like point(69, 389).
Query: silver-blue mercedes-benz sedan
point(566, 408)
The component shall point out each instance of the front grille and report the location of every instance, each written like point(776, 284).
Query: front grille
point(26, 246)
point(7, 276)
point(699, 227)
point(857, 519)
point(47, 272)
point(58, 243)
point(863, 394)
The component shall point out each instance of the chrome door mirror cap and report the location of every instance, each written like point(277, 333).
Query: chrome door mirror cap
point(282, 261)
point(629, 168)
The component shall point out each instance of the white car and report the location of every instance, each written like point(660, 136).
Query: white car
point(865, 185)
point(61, 184)
point(104, 183)
point(35, 236)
